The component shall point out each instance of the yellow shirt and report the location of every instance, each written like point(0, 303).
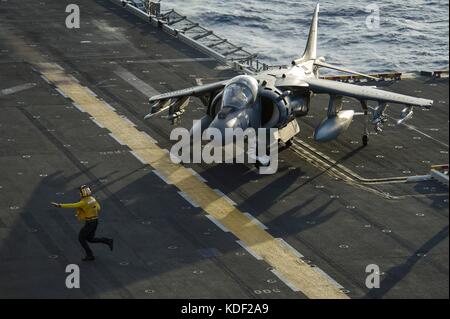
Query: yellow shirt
point(87, 208)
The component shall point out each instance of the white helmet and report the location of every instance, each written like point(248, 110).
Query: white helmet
point(85, 191)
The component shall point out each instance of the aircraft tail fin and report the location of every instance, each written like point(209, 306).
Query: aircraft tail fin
point(311, 46)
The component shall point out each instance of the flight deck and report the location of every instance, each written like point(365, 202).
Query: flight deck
point(72, 103)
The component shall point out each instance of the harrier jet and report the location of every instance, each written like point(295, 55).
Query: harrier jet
point(276, 98)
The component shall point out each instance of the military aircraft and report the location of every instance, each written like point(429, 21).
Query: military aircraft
point(276, 98)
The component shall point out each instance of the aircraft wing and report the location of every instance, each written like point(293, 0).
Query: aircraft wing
point(364, 93)
point(176, 101)
point(193, 91)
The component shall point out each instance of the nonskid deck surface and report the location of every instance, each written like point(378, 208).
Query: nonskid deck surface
point(166, 245)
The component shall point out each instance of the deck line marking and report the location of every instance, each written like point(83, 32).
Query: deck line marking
point(188, 199)
point(138, 157)
point(17, 88)
point(165, 180)
point(116, 139)
point(256, 221)
point(286, 282)
point(59, 67)
point(197, 175)
point(97, 123)
point(311, 283)
point(90, 91)
point(412, 127)
point(128, 120)
point(109, 106)
point(45, 79)
point(217, 223)
point(249, 250)
point(61, 93)
point(221, 194)
point(79, 108)
point(292, 249)
point(135, 82)
point(74, 78)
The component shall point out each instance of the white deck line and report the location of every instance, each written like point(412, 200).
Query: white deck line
point(45, 79)
point(229, 200)
point(161, 177)
point(90, 91)
point(188, 199)
point(197, 175)
point(79, 108)
point(17, 88)
point(292, 249)
point(109, 106)
point(249, 250)
point(135, 82)
point(138, 158)
point(97, 123)
point(217, 223)
point(256, 221)
point(116, 139)
point(128, 120)
point(61, 93)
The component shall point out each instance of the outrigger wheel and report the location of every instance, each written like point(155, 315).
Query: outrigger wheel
point(365, 139)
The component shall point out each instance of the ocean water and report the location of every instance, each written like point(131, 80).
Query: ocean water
point(410, 36)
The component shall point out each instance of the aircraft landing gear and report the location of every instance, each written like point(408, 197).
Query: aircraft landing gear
point(289, 143)
point(263, 161)
point(365, 139)
point(260, 164)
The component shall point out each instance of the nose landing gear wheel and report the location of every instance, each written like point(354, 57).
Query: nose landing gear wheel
point(365, 140)
point(259, 164)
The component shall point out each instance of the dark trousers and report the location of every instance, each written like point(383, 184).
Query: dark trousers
point(87, 235)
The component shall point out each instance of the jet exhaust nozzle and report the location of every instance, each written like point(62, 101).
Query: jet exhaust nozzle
point(333, 126)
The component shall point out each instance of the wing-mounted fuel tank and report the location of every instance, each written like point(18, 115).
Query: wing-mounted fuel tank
point(275, 107)
point(336, 123)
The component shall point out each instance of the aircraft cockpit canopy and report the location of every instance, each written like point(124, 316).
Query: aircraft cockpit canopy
point(240, 93)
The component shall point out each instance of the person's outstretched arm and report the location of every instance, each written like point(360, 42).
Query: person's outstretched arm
point(69, 205)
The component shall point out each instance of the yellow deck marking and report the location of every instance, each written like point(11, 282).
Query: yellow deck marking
point(300, 275)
